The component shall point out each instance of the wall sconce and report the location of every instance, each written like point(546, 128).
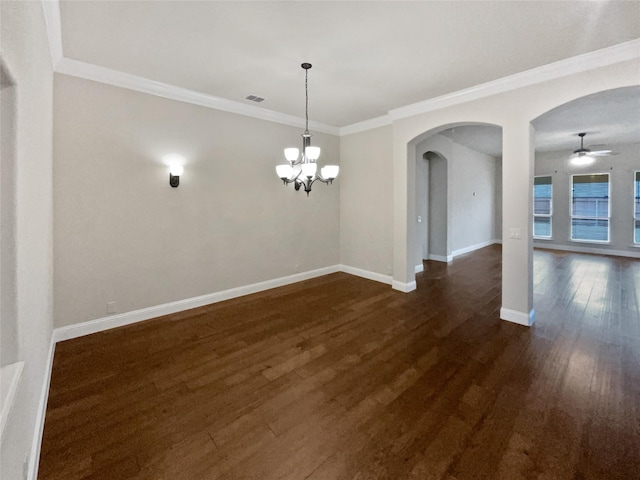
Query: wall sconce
point(175, 170)
point(175, 163)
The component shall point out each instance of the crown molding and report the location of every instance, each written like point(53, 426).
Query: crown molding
point(51, 10)
point(588, 61)
point(562, 68)
point(365, 125)
point(117, 78)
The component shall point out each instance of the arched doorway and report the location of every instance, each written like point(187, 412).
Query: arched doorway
point(432, 194)
point(458, 191)
point(587, 207)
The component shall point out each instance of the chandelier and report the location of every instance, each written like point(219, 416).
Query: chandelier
point(302, 169)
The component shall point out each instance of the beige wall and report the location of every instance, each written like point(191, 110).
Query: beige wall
point(366, 217)
point(25, 54)
point(123, 234)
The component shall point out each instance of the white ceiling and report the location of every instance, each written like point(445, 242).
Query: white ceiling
point(368, 57)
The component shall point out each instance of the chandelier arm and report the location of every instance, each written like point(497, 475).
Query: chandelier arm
point(307, 185)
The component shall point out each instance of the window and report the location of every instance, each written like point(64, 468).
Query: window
point(636, 209)
point(542, 207)
point(590, 208)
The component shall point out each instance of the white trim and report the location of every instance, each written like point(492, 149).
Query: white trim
point(365, 125)
point(403, 287)
point(597, 59)
point(53, 24)
point(419, 268)
point(10, 377)
point(520, 318)
point(36, 444)
point(472, 248)
point(114, 321)
point(580, 249)
point(109, 76)
point(378, 277)
point(440, 258)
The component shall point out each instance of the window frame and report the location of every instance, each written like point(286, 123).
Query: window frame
point(543, 215)
point(607, 218)
point(636, 211)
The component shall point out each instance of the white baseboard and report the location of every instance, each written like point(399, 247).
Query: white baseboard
point(419, 268)
point(594, 250)
point(403, 287)
point(378, 277)
point(461, 251)
point(127, 318)
point(440, 258)
point(472, 248)
point(34, 460)
point(520, 318)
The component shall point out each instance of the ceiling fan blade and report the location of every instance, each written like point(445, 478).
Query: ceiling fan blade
point(601, 153)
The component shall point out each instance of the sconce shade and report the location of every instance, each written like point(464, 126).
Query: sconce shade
point(176, 170)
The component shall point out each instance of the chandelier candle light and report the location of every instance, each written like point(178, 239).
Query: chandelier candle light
point(302, 170)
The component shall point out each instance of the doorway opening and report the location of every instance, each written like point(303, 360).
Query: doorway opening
point(458, 192)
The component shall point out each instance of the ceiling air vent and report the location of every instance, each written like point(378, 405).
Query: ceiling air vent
point(254, 98)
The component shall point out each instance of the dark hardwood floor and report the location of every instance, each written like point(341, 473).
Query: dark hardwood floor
point(343, 378)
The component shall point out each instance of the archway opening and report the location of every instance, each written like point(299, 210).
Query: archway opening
point(586, 207)
point(458, 191)
point(431, 193)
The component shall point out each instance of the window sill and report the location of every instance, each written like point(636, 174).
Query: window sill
point(592, 242)
point(10, 376)
point(543, 238)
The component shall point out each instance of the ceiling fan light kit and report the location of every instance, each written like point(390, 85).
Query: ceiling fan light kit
point(302, 170)
point(584, 156)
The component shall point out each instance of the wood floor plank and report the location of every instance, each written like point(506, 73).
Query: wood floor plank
point(339, 377)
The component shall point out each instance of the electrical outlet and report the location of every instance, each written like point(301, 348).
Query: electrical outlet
point(111, 307)
point(515, 233)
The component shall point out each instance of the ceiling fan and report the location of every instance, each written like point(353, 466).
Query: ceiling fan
point(584, 156)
